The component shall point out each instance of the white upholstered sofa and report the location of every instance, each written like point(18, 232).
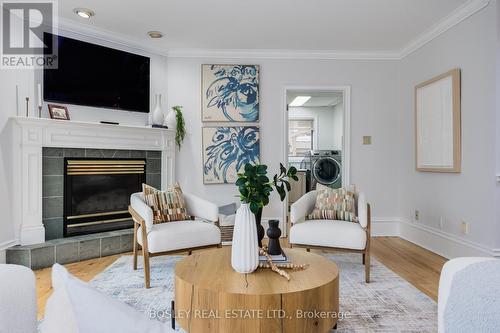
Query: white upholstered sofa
point(331, 234)
point(176, 236)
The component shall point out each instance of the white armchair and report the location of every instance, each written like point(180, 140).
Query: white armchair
point(177, 236)
point(331, 234)
point(477, 313)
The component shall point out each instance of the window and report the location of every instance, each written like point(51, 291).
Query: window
point(300, 137)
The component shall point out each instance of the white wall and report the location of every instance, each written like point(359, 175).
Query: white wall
point(328, 124)
point(469, 195)
point(498, 89)
point(498, 115)
point(26, 81)
point(374, 110)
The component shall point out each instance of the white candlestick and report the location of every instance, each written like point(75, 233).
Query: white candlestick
point(39, 95)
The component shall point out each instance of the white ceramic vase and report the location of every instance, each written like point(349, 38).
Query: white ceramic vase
point(171, 120)
point(158, 115)
point(245, 248)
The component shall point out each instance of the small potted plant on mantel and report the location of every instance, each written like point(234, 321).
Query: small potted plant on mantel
point(255, 188)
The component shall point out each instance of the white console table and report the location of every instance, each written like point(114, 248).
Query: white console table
point(30, 135)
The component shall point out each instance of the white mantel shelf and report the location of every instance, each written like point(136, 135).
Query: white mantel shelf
point(56, 132)
point(30, 135)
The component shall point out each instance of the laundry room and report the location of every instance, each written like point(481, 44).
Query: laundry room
point(315, 138)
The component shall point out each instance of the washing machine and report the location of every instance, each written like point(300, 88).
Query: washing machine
point(326, 168)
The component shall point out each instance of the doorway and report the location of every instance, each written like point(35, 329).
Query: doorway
point(317, 127)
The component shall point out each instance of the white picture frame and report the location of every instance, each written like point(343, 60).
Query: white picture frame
point(438, 124)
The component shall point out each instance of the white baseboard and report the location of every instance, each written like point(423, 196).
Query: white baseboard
point(432, 239)
point(3, 247)
point(385, 226)
point(445, 244)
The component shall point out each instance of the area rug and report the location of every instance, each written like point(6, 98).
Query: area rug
point(387, 304)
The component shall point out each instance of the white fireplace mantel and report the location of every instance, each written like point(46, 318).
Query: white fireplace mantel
point(31, 134)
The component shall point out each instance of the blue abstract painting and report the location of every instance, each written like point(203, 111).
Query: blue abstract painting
point(226, 150)
point(230, 93)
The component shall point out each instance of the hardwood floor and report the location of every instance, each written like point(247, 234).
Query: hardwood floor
point(84, 270)
point(415, 264)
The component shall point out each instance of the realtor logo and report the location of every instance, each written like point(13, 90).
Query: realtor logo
point(23, 27)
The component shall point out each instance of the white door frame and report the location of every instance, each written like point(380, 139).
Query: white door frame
point(346, 135)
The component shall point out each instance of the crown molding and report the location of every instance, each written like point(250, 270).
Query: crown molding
point(282, 54)
point(125, 41)
point(460, 14)
point(463, 12)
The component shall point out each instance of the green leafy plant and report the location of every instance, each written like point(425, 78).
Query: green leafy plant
point(255, 187)
point(180, 131)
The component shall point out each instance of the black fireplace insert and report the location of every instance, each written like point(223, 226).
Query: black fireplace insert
point(97, 193)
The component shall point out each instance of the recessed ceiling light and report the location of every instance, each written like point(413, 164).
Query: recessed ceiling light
point(300, 100)
point(84, 12)
point(155, 34)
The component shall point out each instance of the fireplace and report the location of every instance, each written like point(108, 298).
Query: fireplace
point(97, 193)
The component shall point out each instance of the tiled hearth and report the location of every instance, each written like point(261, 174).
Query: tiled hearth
point(53, 175)
point(71, 249)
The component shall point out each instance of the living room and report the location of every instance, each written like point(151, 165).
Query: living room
point(194, 166)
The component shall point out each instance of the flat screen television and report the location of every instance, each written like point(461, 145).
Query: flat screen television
point(98, 76)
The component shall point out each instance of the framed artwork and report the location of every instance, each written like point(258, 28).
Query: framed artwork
point(59, 112)
point(226, 150)
point(230, 93)
point(438, 124)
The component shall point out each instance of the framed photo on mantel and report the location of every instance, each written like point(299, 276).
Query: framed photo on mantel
point(58, 112)
point(438, 124)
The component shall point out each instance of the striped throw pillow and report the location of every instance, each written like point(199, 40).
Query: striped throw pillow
point(334, 204)
point(167, 205)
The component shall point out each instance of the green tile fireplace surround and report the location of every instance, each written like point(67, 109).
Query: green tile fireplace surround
point(53, 175)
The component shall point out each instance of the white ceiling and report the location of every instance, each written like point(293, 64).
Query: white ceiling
point(319, 25)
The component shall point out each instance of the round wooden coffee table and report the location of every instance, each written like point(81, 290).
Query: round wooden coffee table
point(211, 297)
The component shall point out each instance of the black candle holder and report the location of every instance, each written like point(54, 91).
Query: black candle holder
point(274, 233)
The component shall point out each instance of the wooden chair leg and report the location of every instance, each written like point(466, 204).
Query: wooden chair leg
point(363, 258)
point(367, 267)
point(190, 252)
point(135, 246)
point(145, 255)
point(308, 250)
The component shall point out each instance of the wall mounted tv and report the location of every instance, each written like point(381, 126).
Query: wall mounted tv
point(98, 76)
